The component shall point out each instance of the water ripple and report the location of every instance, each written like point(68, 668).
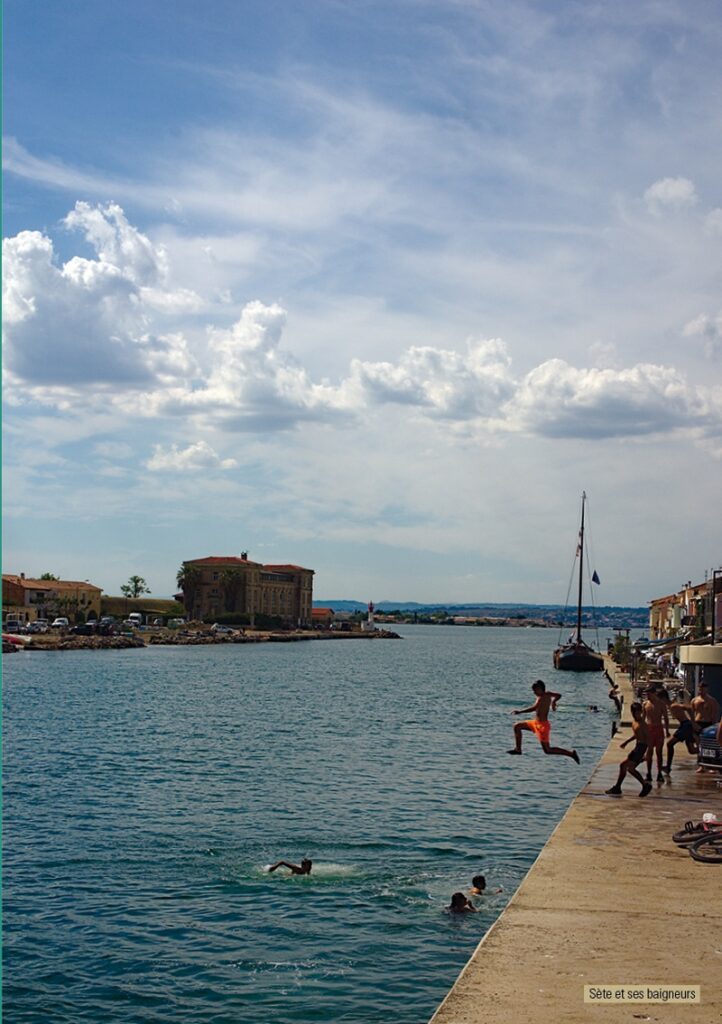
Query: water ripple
point(144, 797)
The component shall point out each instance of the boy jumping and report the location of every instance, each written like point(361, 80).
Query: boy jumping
point(540, 725)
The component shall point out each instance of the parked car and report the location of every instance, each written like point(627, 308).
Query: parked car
point(85, 629)
point(14, 626)
point(60, 623)
point(135, 618)
point(710, 752)
point(221, 630)
point(39, 626)
point(107, 628)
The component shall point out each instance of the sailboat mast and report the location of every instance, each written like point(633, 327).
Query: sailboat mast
point(581, 566)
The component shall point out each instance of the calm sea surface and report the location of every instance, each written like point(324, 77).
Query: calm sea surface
point(145, 791)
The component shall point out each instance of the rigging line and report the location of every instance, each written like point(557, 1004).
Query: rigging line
point(569, 590)
point(591, 597)
point(590, 553)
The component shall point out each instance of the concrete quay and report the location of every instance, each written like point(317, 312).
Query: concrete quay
point(611, 902)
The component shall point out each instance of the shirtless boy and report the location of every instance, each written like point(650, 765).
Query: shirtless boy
point(657, 722)
point(705, 709)
point(540, 726)
point(633, 760)
point(684, 733)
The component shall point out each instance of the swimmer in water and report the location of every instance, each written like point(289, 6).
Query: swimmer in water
point(303, 869)
point(461, 905)
point(478, 886)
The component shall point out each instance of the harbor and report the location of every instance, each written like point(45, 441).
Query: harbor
point(610, 903)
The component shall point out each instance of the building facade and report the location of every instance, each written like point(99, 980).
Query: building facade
point(693, 610)
point(28, 599)
point(234, 585)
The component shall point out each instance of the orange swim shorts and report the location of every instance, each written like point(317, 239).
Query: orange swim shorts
point(542, 729)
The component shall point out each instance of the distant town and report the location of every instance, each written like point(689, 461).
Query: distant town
point(237, 592)
point(492, 614)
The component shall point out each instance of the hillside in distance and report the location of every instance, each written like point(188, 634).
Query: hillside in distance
point(610, 616)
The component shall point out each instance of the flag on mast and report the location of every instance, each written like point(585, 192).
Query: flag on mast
point(595, 578)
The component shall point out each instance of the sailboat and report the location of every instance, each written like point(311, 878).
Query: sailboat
point(576, 655)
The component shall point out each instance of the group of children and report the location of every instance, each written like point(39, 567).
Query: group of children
point(650, 727)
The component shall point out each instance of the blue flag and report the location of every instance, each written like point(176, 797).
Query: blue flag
point(595, 578)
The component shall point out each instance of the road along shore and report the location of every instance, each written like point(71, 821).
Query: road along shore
point(610, 903)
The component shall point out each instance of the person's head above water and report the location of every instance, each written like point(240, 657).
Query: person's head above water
point(478, 882)
point(538, 687)
point(306, 864)
point(459, 903)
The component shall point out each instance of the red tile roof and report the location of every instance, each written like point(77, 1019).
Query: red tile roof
point(32, 584)
point(220, 560)
point(286, 568)
point(322, 612)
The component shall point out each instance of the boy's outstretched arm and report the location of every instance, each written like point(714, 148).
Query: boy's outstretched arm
point(524, 711)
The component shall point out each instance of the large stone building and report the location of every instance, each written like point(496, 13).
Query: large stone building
point(30, 599)
point(228, 584)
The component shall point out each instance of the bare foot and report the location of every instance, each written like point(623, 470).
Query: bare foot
point(575, 755)
point(513, 751)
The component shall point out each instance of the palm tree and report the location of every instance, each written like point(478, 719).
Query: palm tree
point(232, 582)
point(188, 579)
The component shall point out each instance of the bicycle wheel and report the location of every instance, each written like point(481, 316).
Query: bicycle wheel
point(691, 833)
point(708, 849)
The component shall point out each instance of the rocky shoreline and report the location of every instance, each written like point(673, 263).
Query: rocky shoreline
point(188, 638)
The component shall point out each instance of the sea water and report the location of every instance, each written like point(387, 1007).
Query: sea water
point(147, 791)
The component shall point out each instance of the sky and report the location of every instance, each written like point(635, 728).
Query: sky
point(377, 288)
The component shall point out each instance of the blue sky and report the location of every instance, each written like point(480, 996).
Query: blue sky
point(377, 288)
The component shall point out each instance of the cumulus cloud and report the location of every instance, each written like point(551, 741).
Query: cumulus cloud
point(709, 329)
point(181, 460)
point(98, 330)
point(559, 400)
point(252, 384)
point(445, 384)
point(671, 194)
point(89, 321)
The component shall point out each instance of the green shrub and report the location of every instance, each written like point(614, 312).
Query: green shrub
point(229, 619)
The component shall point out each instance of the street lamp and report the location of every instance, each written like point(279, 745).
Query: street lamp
point(715, 574)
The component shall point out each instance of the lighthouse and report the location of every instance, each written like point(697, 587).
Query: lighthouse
point(368, 626)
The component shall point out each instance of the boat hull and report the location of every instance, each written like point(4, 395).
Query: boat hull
point(577, 658)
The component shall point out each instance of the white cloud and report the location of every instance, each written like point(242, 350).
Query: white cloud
point(93, 335)
point(558, 400)
point(670, 193)
point(442, 383)
point(195, 457)
point(710, 330)
point(90, 321)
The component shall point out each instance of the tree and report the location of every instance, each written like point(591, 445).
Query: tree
point(188, 579)
point(48, 576)
point(232, 581)
point(135, 587)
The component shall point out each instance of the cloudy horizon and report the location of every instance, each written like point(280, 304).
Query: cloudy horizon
point(377, 289)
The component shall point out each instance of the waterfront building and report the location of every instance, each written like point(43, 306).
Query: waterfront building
point(322, 616)
point(692, 609)
point(28, 599)
point(235, 585)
